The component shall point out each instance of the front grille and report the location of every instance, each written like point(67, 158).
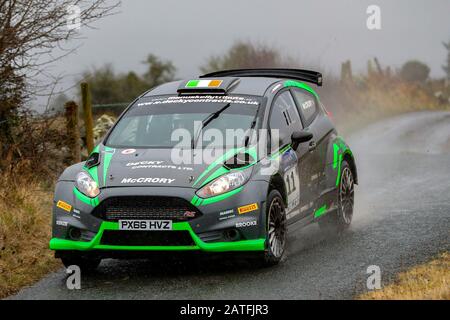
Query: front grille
point(146, 238)
point(146, 208)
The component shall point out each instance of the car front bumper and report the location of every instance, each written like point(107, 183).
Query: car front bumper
point(95, 243)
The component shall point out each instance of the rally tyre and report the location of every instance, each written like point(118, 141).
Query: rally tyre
point(86, 264)
point(276, 229)
point(339, 220)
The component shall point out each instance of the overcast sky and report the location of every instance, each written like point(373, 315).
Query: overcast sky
point(320, 32)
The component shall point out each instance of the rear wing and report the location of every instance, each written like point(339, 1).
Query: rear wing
point(296, 74)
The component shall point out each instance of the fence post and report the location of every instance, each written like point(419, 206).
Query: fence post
point(346, 72)
point(73, 134)
point(87, 112)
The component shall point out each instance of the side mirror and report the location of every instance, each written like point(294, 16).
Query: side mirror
point(300, 137)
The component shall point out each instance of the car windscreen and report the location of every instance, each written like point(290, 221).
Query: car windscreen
point(180, 121)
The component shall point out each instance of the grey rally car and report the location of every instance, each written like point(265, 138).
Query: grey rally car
point(227, 162)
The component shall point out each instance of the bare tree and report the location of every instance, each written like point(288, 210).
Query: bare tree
point(30, 31)
point(248, 55)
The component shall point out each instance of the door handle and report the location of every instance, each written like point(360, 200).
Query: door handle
point(312, 146)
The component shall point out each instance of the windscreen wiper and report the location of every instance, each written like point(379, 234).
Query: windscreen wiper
point(247, 137)
point(207, 121)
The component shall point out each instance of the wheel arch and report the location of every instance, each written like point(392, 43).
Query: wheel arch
point(277, 183)
point(348, 157)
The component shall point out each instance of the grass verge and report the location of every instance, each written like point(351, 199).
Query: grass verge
point(25, 229)
point(429, 281)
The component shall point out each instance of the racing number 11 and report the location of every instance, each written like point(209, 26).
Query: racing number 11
point(289, 178)
point(292, 184)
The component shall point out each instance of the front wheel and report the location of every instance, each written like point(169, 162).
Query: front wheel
point(340, 219)
point(276, 229)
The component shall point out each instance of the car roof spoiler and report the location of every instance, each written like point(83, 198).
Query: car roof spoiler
point(296, 74)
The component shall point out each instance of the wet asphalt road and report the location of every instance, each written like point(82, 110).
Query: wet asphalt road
point(402, 217)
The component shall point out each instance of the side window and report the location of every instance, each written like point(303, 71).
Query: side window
point(307, 105)
point(284, 117)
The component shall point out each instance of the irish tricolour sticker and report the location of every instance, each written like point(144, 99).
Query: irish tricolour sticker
point(203, 83)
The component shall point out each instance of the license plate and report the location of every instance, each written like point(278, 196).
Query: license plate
point(149, 225)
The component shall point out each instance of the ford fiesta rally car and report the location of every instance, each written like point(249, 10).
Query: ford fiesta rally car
point(135, 194)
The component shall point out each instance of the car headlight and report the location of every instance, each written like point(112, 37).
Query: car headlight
point(86, 185)
point(225, 183)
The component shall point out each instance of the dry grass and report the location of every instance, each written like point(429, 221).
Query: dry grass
point(371, 98)
point(25, 229)
point(429, 281)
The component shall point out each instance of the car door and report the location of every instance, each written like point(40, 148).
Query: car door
point(310, 113)
point(294, 164)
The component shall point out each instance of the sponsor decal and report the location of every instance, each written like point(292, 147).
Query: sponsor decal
point(128, 151)
point(200, 99)
point(292, 185)
point(246, 224)
point(227, 217)
point(153, 164)
point(147, 162)
point(76, 213)
point(248, 208)
point(203, 83)
point(64, 205)
point(61, 223)
point(227, 214)
point(147, 180)
point(189, 214)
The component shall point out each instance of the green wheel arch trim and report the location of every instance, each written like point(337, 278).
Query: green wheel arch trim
point(340, 149)
point(297, 84)
point(335, 155)
point(94, 244)
point(338, 176)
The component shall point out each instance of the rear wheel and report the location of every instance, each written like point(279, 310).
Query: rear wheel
point(276, 229)
point(340, 219)
point(85, 264)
